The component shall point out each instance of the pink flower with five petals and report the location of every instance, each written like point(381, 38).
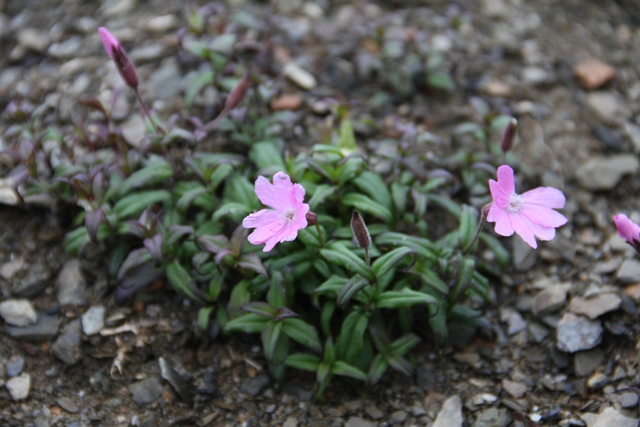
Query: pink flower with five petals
point(287, 216)
point(530, 214)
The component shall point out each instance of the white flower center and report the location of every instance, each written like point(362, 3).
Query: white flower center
point(289, 216)
point(515, 203)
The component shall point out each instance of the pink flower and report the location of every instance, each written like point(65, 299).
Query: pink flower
point(529, 214)
point(628, 230)
point(120, 58)
point(280, 224)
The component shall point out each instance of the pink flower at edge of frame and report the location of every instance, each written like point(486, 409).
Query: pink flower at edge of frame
point(287, 216)
point(530, 214)
point(109, 42)
point(628, 230)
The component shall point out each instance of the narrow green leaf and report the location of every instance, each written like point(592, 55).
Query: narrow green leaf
point(188, 197)
point(405, 343)
point(350, 289)
point(329, 352)
point(261, 309)
point(342, 256)
point(441, 81)
point(378, 367)
point(204, 314)
point(347, 141)
point(468, 226)
point(365, 204)
point(303, 361)
point(350, 341)
point(266, 156)
point(270, 336)
point(446, 203)
point(350, 169)
point(154, 173)
point(233, 209)
point(346, 370)
point(400, 364)
point(133, 204)
point(251, 262)
point(320, 194)
point(196, 85)
point(181, 281)
point(249, 323)
point(388, 261)
point(425, 248)
point(466, 268)
point(374, 186)
point(301, 332)
point(431, 279)
point(404, 298)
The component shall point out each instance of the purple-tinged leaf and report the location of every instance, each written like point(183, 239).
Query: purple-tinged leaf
point(214, 244)
point(261, 309)
point(135, 258)
point(137, 278)
point(177, 232)
point(253, 263)
point(154, 246)
point(284, 313)
point(92, 220)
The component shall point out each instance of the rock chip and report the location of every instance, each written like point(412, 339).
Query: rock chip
point(609, 418)
point(629, 272)
point(182, 387)
point(359, 422)
point(290, 422)
point(577, 333)
point(596, 306)
point(606, 105)
point(604, 173)
point(514, 388)
point(146, 391)
point(299, 76)
point(93, 320)
point(592, 73)
point(550, 300)
point(14, 366)
point(493, 417)
point(31, 38)
point(8, 269)
point(45, 329)
point(18, 312)
point(162, 23)
point(514, 320)
point(19, 386)
point(71, 286)
point(253, 386)
point(67, 346)
point(451, 413)
point(67, 404)
point(585, 362)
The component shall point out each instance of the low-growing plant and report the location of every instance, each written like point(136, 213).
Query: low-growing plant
point(366, 253)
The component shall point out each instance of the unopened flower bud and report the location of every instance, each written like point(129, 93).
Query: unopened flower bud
point(312, 219)
point(237, 94)
point(509, 135)
point(485, 210)
point(120, 58)
point(360, 231)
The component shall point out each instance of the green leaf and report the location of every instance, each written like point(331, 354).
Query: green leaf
point(388, 261)
point(441, 81)
point(250, 323)
point(261, 309)
point(347, 141)
point(446, 203)
point(378, 367)
point(270, 336)
point(240, 296)
point(425, 248)
point(251, 262)
point(365, 204)
point(233, 209)
point(277, 295)
point(329, 355)
point(350, 289)
point(399, 195)
point(349, 170)
point(301, 332)
point(374, 186)
point(320, 194)
point(400, 364)
point(133, 204)
point(204, 314)
point(195, 86)
point(466, 268)
point(303, 361)
point(188, 197)
point(181, 281)
point(219, 174)
point(468, 226)
point(438, 322)
point(75, 240)
point(431, 279)
point(404, 298)
point(342, 256)
point(266, 156)
point(346, 370)
point(502, 255)
point(153, 173)
point(405, 343)
point(350, 341)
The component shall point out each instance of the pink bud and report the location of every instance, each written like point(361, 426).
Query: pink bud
point(509, 135)
point(120, 58)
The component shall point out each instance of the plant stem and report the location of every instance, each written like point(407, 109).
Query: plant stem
point(320, 239)
point(145, 111)
point(475, 238)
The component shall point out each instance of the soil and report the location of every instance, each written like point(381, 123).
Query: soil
point(523, 377)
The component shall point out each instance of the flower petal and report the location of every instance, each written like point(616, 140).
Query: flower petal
point(545, 196)
point(523, 228)
point(500, 198)
point(542, 215)
point(506, 179)
point(274, 196)
point(628, 230)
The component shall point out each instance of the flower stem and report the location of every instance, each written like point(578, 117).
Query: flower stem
point(483, 218)
point(143, 106)
point(320, 239)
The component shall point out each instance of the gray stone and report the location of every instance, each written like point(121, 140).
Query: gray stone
point(35, 280)
point(606, 105)
point(10, 268)
point(290, 422)
point(31, 38)
point(451, 413)
point(628, 400)
point(577, 333)
point(67, 404)
point(596, 306)
point(18, 312)
point(373, 412)
point(550, 300)
point(182, 387)
point(604, 173)
point(514, 320)
point(398, 417)
point(493, 417)
point(14, 366)
point(71, 286)
point(162, 23)
point(534, 76)
point(146, 391)
point(45, 329)
point(147, 53)
point(585, 362)
point(598, 380)
point(19, 387)
point(514, 388)
point(538, 332)
point(495, 8)
point(359, 422)
point(524, 256)
point(93, 320)
point(165, 82)
point(609, 418)
point(633, 133)
point(134, 129)
point(253, 386)
point(67, 49)
point(67, 346)
point(629, 272)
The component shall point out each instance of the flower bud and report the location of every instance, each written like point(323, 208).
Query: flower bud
point(360, 231)
point(312, 219)
point(120, 58)
point(509, 135)
point(237, 94)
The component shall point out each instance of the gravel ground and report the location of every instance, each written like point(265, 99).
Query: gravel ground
point(560, 345)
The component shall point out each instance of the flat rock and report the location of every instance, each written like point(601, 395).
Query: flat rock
point(146, 391)
point(629, 272)
point(182, 387)
point(514, 388)
point(585, 362)
point(592, 73)
point(633, 133)
point(253, 386)
point(550, 300)
point(67, 404)
point(34, 39)
point(14, 366)
point(577, 333)
point(37, 278)
point(19, 386)
point(609, 418)
point(493, 417)
point(71, 285)
point(604, 173)
point(606, 105)
point(93, 320)
point(451, 413)
point(8, 269)
point(67, 346)
point(513, 319)
point(596, 306)
point(633, 291)
point(299, 76)
point(45, 329)
point(359, 422)
point(18, 312)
